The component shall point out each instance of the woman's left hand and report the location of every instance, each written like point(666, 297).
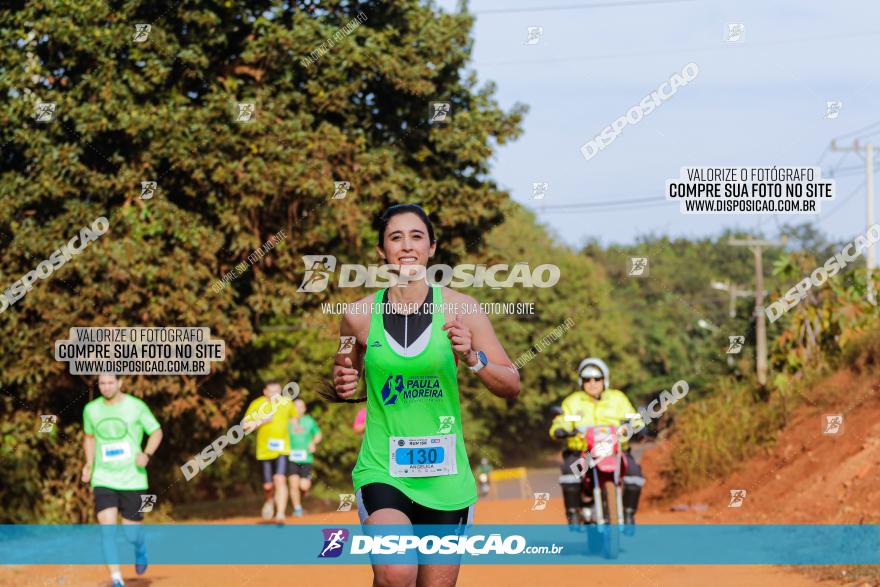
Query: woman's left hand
point(460, 337)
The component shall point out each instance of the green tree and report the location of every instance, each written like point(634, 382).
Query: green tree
point(680, 324)
point(167, 110)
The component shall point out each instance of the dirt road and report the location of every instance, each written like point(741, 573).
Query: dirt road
point(497, 511)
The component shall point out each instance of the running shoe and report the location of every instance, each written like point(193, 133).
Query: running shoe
point(279, 517)
point(298, 511)
point(140, 559)
point(268, 510)
point(118, 584)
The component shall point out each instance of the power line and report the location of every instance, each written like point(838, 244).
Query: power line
point(601, 210)
point(869, 134)
point(684, 51)
point(837, 208)
point(849, 134)
point(835, 171)
point(848, 174)
point(832, 168)
point(621, 4)
point(856, 168)
point(822, 156)
point(601, 204)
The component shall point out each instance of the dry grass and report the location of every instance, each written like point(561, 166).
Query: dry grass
point(854, 575)
point(716, 433)
point(713, 435)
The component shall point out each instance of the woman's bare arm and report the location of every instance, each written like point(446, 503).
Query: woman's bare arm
point(470, 332)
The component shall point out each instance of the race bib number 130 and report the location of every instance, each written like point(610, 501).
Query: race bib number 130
point(422, 456)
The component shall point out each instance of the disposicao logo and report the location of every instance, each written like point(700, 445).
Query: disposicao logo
point(320, 268)
point(334, 539)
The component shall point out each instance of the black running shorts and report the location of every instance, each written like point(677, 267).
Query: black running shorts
point(272, 467)
point(301, 470)
point(377, 496)
point(128, 502)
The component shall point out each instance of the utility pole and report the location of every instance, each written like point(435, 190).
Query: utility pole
point(870, 258)
point(735, 291)
point(760, 326)
point(869, 194)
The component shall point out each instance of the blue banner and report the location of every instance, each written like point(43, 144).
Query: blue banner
point(223, 544)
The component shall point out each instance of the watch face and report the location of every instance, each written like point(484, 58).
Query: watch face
point(482, 357)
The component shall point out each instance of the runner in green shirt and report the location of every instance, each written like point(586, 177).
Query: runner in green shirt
point(114, 427)
point(413, 466)
point(304, 435)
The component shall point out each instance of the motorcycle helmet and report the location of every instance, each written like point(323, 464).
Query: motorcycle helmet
point(593, 367)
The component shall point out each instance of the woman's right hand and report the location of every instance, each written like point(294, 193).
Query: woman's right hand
point(345, 379)
point(86, 473)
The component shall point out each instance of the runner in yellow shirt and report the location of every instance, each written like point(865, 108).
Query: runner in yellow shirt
point(273, 445)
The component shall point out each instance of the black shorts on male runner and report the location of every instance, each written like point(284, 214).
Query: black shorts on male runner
point(301, 470)
point(376, 496)
point(127, 501)
point(272, 467)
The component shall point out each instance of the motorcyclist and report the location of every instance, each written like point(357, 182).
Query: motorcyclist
point(595, 404)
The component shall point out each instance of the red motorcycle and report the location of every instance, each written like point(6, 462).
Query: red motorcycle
point(605, 467)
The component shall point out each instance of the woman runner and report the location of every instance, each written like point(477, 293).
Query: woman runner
point(408, 349)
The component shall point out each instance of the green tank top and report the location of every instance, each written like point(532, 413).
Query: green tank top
point(411, 397)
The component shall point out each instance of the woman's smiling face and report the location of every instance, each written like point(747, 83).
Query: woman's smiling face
point(406, 241)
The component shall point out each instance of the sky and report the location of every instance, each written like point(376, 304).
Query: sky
point(760, 101)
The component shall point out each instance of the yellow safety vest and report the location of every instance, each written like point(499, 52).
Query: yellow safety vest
point(611, 409)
